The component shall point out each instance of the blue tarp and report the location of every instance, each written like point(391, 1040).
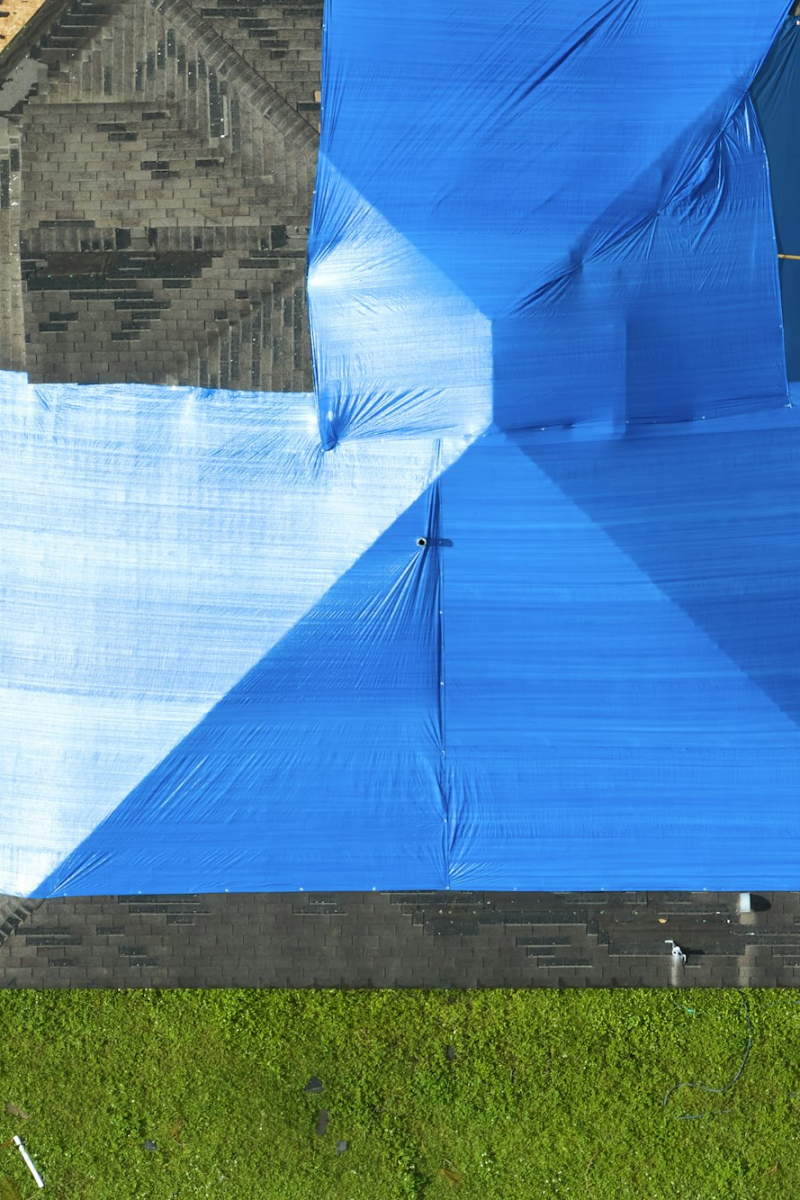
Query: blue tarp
point(546, 322)
point(593, 185)
point(776, 96)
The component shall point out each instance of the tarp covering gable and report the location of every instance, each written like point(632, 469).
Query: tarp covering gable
point(588, 678)
point(594, 184)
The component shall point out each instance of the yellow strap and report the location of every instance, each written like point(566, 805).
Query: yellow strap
point(795, 257)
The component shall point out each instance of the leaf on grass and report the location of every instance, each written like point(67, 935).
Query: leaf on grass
point(8, 1190)
point(13, 1111)
point(454, 1178)
point(176, 1129)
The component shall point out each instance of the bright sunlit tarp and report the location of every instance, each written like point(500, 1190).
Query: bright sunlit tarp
point(157, 544)
point(510, 602)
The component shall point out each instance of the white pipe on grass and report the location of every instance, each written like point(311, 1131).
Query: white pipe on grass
point(28, 1161)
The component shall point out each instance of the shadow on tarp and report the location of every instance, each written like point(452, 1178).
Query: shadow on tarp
point(713, 518)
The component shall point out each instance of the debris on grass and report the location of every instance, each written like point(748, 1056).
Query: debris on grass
point(14, 1111)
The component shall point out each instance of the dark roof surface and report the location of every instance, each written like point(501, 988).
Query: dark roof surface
point(161, 218)
point(432, 940)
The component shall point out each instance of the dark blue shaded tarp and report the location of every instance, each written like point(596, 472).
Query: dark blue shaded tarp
point(776, 96)
point(510, 601)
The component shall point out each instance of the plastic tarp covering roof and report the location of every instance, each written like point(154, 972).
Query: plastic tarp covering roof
point(776, 96)
point(547, 341)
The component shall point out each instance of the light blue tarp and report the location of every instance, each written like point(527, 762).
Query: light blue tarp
point(547, 334)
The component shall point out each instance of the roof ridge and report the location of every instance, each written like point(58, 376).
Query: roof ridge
point(251, 86)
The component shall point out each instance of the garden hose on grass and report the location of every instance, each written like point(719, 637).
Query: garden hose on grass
point(721, 1091)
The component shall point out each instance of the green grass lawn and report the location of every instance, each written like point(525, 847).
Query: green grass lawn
point(543, 1093)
